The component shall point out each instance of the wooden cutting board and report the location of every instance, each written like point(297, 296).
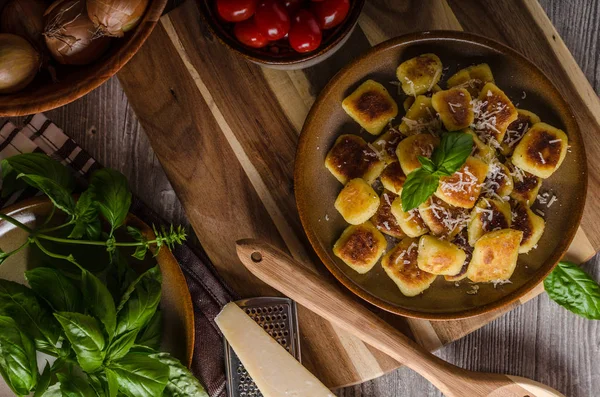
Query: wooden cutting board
point(226, 132)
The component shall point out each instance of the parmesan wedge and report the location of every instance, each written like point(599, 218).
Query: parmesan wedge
point(275, 372)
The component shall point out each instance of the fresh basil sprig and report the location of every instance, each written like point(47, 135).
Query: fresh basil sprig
point(572, 288)
point(446, 159)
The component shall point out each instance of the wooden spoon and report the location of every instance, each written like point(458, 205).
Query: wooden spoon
point(330, 301)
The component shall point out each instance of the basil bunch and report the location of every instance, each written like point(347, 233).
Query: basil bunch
point(446, 159)
point(104, 330)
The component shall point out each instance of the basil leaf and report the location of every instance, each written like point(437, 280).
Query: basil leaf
point(20, 303)
point(139, 301)
point(75, 386)
point(453, 151)
point(10, 182)
point(60, 196)
point(18, 364)
point(99, 301)
point(113, 195)
point(113, 383)
point(181, 382)
point(53, 391)
point(86, 214)
point(85, 335)
point(105, 384)
point(120, 346)
point(151, 336)
point(571, 287)
point(55, 288)
point(426, 164)
point(139, 375)
point(39, 164)
point(43, 381)
point(419, 185)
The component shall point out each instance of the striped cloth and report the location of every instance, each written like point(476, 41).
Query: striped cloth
point(209, 292)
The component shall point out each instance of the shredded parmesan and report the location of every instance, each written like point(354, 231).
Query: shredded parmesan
point(542, 158)
point(454, 105)
point(539, 212)
point(524, 95)
point(387, 199)
point(500, 282)
point(552, 201)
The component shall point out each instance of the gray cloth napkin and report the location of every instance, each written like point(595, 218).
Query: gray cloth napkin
point(209, 292)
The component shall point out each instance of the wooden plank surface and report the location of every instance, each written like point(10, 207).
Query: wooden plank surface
point(235, 116)
point(538, 340)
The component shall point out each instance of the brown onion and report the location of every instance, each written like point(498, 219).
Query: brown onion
point(70, 35)
point(24, 18)
point(115, 17)
point(19, 63)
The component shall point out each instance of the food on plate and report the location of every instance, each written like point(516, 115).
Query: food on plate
point(410, 148)
point(443, 219)
point(462, 169)
point(454, 108)
point(400, 264)
point(531, 224)
point(360, 246)
point(472, 78)
point(438, 256)
point(383, 219)
point(541, 150)
point(357, 202)
point(371, 106)
point(282, 26)
point(419, 74)
point(516, 130)
point(393, 178)
point(495, 256)
point(410, 222)
point(462, 188)
point(351, 157)
point(488, 215)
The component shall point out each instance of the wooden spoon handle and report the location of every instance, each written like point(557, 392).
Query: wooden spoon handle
point(336, 305)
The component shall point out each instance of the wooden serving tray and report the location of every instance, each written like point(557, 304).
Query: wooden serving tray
point(226, 132)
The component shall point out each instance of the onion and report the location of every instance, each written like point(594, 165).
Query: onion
point(70, 35)
point(115, 17)
point(19, 63)
point(24, 18)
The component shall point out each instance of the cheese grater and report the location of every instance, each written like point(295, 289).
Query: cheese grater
point(278, 317)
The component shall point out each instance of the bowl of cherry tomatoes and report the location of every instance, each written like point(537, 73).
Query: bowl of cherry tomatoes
point(282, 34)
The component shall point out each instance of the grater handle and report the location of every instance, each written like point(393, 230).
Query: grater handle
point(331, 302)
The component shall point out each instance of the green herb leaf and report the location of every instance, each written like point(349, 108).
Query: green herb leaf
point(419, 185)
point(39, 164)
point(75, 386)
point(10, 182)
point(181, 382)
point(3, 256)
point(99, 301)
point(140, 251)
point(113, 383)
point(85, 335)
point(43, 381)
point(139, 375)
point(453, 151)
point(113, 195)
point(86, 213)
point(18, 363)
point(104, 384)
point(571, 287)
point(58, 194)
point(120, 346)
point(426, 164)
point(140, 301)
point(53, 391)
point(33, 317)
point(55, 288)
point(151, 336)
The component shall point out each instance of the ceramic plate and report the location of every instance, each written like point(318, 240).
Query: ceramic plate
point(316, 189)
point(176, 303)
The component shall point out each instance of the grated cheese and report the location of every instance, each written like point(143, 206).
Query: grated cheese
point(454, 105)
point(554, 141)
point(552, 201)
point(387, 199)
point(539, 212)
point(542, 158)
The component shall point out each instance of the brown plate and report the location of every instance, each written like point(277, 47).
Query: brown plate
point(176, 302)
point(316, 189)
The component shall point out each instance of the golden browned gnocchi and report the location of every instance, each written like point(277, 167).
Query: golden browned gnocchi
point(420, 117)
point(454, 108)
point(383, 219)
point(371, 106)
point(530, 224)
point(351, 157)
point(541, 150)
point(400, 264)
point(392, 178)
point(495, 256)
point(360, 247)
point(441, 218)
point(411, 148)
point(357, 202)
point(487, 216)
point(472, 78)
point(438, 256)
point(419, 74)
point(462, 188)
point(525, 185)
point(386, 145)
point(516, 130)
point(410, 222)
point(494, 112)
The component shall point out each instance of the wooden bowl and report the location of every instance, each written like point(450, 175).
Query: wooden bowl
point(316, 189)
point(176, 302)
point(75, 81)
point(333, 40)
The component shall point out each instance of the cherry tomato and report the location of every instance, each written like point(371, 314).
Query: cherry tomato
point(236, 10)
point(330, 13)
point(305, 34)
point(272, 19)
point(292, 6)
point(247, 33)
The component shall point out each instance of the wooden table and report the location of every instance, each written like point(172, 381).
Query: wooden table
point(537, 340)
